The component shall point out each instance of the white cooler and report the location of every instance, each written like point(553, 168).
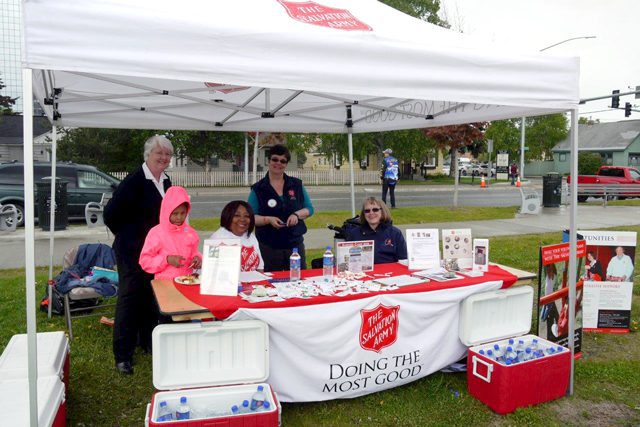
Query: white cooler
point(53, 357)
point(14, 402)
point(215, 365)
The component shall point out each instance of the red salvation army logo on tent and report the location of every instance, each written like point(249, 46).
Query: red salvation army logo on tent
point(225, 88)
point(379, 328)
point(313, 13)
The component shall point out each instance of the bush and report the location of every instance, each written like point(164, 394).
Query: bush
point(588, 163)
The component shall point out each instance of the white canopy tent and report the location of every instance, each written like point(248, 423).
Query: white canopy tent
point(339, 66)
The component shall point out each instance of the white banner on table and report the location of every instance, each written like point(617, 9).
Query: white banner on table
point(422, 248)
point(352, 348)
point(355, 256)
point(220, 267)
point(457, 245)
point(481, 255)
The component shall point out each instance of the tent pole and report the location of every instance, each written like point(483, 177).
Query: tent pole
point(52, 215)
point(522, 142)
point(255, 157)
point(349, 124)
point(246, 159)
point(29, 243)
point(573, 239)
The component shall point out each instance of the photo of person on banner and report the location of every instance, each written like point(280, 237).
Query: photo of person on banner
point(620, 268)
point(593, 268)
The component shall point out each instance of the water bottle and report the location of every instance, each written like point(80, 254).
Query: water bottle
point(481, 352)
point(244, 409)
point(534, 345)
point(294, 266)
point(265, 406)
point(327, 265)
point(498, 353)
point(511, 341)
point(510, 354)
point(258, 398)
point(520, 348)
point(164, 413)
point(183, 411)
point(559, 349)
point(550, 351)
point(235, 410)
point(490, 354)
point(527, 354)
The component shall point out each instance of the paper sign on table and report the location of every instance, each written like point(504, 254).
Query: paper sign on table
point(354, 256)
point(457, 245)
point(220, 267)
point(422, 247)
point(481, 255)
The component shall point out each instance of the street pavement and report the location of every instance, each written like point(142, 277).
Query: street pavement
point(590, 217)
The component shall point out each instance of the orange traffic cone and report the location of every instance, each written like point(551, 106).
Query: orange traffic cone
point(518, 183)
point(483, 184)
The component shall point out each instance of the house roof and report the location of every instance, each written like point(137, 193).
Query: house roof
point(11, 128)
point(616, 136)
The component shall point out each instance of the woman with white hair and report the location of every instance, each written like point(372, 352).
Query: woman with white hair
point(132, 211)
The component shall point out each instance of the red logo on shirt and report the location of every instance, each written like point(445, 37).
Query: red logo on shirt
point(388, 242)
point(292, 193)
point(313, 13)
point(250, 258)
point(379, 328)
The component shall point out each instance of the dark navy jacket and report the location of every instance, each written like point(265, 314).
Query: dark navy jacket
point(390, 245)
point(292, 200)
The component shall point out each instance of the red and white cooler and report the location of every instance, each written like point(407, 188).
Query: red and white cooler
point(492, 318)
point(53, 357)
point(215, 365)
point(14, 402)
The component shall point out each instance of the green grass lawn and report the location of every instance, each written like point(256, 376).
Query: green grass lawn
point(607, 378)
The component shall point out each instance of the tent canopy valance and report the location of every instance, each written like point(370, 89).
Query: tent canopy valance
point(274, 65)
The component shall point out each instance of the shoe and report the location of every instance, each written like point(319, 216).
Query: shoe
point(125, 367)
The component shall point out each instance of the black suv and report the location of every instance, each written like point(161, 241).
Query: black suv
point(84, 184)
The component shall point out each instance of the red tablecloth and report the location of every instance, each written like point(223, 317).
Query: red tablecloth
point(222, 307)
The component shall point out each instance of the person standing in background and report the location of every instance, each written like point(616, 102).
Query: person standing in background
point(513, 171)
point(389, 176)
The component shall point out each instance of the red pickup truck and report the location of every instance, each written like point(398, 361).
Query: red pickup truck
point(609, 175)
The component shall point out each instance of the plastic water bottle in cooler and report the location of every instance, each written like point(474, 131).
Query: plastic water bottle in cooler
point(184, 411)
point(520, 347)
point(294, 266)
point(235, 410)
point(534, 345)
point(511, 355)
point(164, 413)
point(244, 408)
point(266, 406)
point(498, 353)
point(490, 354)
point(258, 398)
point(327, 265)
point(527, 354)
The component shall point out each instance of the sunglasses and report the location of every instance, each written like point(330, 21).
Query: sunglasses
point(374, 210)
point(283, 161)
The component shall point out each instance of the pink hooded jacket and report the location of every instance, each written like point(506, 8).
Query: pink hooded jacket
point(169, 239)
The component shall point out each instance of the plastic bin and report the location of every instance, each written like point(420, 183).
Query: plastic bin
point(14, 402)
point(494, 317)
point(551, 190)
point(215, 365)
point(61, 209)
point(53, 357)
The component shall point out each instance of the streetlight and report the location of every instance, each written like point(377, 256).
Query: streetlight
point(522, 126)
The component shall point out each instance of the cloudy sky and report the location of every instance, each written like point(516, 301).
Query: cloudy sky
point(610, 61)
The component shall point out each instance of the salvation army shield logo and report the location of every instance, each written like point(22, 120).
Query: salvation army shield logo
point(379, 328)
point(314, 13)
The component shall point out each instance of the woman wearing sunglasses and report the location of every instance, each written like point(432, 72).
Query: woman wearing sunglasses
point(281, 205)
point(375, 224)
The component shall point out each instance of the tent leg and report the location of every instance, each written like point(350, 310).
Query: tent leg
point(352, 177)
point(54, 142)
point(246, 159)
point(522, 143)
point(573, 240)
point(29, 244)
point(255, 157)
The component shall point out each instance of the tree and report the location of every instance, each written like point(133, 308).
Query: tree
point(543, 133)
point(505, 135)
point(427, 10)
point(587, 121)
point(201, 146)
point(6, 102)
point(588, 163)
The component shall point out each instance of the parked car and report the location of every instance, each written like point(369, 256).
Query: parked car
point(484, 170)
point(84, 184)
point(619, 175)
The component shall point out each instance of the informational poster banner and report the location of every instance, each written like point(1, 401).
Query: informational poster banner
point(221, 267)
point(608, 280)
point(502, 165)
point(481, 255)
point(422, 248)
point(355, 257)
point(553, 291)
point(457, 246)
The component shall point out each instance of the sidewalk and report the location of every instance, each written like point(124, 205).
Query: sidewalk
point(549, 220)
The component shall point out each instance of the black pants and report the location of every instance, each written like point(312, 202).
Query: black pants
point(390, 185)
point(278, 259)
point(136, 312)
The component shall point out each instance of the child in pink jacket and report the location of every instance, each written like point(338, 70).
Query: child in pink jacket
point(171, 247)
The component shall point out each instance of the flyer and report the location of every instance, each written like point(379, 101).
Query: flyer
point(422, 248)
point(354, 257)
point(608, 280)
point(480, 255)
point(220, 267)
point(553, 291)
point(457, 246)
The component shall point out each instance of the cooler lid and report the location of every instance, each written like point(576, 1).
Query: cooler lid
point(52, 351)
point(14, 400)
point(190, 355)
point(495, 315)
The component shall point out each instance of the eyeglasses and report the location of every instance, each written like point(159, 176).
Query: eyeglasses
point(276, 160)
point(374, 210)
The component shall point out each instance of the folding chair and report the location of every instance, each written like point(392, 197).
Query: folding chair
point(81, 294)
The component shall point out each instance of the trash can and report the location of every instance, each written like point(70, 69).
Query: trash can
point(551, 190)
point(44, 204)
